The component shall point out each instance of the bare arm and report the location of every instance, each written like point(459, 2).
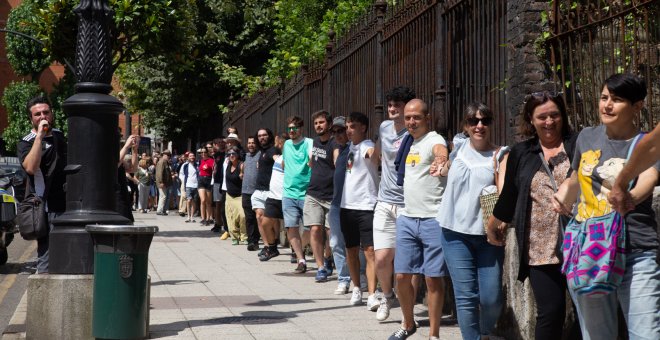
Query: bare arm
point(502, 172)
point(566, 195)
point(440, 165)
point(335, 155)
point(130, 143)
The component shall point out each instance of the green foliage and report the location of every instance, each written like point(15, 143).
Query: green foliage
point(16, 96)
point(25, 56)
point(141, 28)
point(301, 30)
point(14, 99)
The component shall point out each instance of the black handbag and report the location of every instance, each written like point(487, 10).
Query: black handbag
point(32, 218)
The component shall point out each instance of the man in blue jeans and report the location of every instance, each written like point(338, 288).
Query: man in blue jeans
point(340, 157)
point(418, 234)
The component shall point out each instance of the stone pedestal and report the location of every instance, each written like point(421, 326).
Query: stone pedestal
point(59, 307)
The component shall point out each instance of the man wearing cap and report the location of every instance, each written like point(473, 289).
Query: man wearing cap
point(337, 244)
point(319, 194)
point(163, 182)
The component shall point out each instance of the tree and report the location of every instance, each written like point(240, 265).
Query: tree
point(141, 28)
point(25, 56)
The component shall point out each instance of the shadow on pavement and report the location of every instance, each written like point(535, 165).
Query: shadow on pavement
point(187, 233)
point(177, 282)
point(27, 268)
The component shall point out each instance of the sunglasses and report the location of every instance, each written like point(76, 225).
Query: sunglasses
point(338, 131)
point(474, 121)
point(542, 95)
point(293, 128)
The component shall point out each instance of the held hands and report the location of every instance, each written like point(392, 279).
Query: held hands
point(439, 167)
point(620, 199)
point(495, 232)
point(558, 204)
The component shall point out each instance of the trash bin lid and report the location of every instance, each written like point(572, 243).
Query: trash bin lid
point(121, 229)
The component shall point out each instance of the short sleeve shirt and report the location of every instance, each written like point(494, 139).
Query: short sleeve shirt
point(598, 161)
point(361, 184)
point(296, 168)
point(56, 201)
point(265, 167)
point(276, 179)
point(323, 168)
point(390, 141)
point(423, 192)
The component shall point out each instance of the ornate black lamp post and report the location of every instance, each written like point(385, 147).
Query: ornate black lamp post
point(93, 145)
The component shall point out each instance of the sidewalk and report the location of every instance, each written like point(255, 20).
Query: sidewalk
point(205, 288)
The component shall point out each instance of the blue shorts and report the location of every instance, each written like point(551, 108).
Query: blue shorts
point(418, 247)
point(191, 193)
point(293, 212)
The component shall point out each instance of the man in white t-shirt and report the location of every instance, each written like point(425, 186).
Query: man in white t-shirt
point(418, 234)
point(357, 203)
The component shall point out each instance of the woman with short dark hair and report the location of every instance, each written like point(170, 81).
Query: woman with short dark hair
point(600, 153)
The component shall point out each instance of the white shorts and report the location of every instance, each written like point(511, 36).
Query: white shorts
point(385, 215)
point(258, 199)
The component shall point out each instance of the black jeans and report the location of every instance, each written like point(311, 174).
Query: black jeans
point(549, 287)
point(251, 220)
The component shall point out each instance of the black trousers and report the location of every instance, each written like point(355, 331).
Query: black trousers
point(549, 286)
point(251, 220)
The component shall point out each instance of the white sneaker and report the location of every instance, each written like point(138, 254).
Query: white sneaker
point(383, 311)
point(342, 288)
point(372, 302)
point(356, 298)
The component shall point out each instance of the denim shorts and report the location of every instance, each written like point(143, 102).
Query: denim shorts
point(293, 212)
point(418, 247)
point(191, 193)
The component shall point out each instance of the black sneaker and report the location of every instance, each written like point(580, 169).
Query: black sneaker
point(215, 229)
point(252, 247)
point(402, 333)
point(262, 251)
point(302, 268)
point(268, 254)
point(293, 259)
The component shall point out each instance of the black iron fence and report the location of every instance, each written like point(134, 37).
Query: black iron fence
point(423, 44)
point(592, 39)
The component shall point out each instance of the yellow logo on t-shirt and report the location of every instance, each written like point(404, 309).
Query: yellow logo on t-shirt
point(413, 158)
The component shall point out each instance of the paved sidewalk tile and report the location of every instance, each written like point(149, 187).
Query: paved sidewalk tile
point(205, 288)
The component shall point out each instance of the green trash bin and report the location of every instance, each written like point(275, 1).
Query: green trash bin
point(120, 280)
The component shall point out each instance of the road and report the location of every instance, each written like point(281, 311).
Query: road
point(14, 275)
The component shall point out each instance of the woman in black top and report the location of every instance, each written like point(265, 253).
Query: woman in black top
point(234, 200)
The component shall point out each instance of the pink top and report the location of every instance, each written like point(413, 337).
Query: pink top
point(206, 167)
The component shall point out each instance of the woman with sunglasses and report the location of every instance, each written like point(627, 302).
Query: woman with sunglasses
point(524, 200)
point(234, 201)
point(204, 187)
point(600, 153)
point(474, 265)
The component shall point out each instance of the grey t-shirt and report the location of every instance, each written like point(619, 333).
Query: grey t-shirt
point(390, 141)
point(598, 161)
point(250, 172)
